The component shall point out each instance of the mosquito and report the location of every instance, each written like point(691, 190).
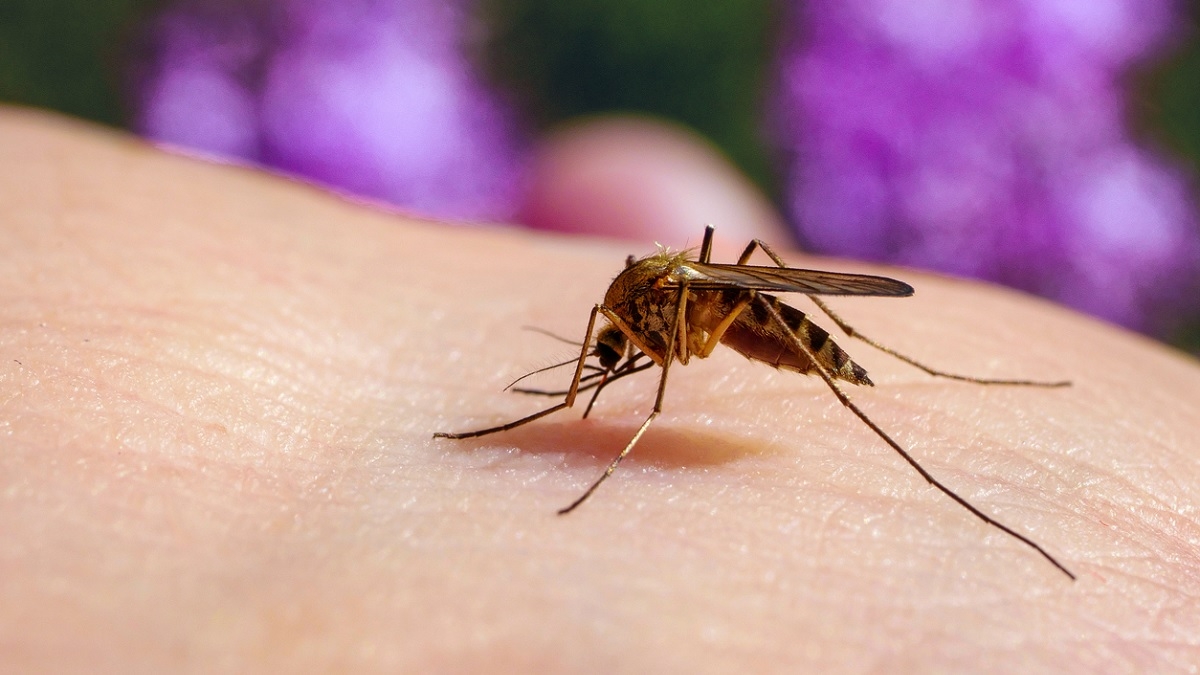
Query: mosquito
point(668, 308)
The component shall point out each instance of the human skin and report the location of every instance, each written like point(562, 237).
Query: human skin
point(218, 392)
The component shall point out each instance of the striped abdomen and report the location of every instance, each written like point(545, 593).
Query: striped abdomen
point(757, 335)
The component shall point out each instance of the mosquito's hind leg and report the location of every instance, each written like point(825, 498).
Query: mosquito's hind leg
point(852, 332)
point(825, 375)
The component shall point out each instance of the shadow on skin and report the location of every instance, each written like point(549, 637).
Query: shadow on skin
point(597, 441)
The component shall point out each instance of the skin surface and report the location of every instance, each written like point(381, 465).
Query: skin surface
point(217, 394)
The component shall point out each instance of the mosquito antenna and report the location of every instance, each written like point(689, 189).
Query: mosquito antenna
point(626, 368)
point(540, 370)
point(587, 382)
point(543, 331)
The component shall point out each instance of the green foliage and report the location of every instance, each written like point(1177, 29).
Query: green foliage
point(702, 63)
point(66, 54)
point(1168, 104)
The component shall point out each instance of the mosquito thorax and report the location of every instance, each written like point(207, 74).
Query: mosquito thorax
point(640, 276)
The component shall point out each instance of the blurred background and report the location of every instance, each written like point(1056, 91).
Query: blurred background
point(1051, 145)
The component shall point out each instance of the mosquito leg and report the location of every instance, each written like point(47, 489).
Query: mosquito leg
point(503, 427)
point(758, 243)
point(706, 245)
point(680, 313)
point(611, 467)
point(570, 400)
point(609, 380)
point(850, 330)
point(714, 338)
point(595, 394)
point(583, 354)
point(845, 400)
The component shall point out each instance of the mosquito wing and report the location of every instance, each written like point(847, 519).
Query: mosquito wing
point(706, 276)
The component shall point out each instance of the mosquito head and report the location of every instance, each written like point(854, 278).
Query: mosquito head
point(611, 346)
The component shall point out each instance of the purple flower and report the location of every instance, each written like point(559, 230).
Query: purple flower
point(985, 138)
point(375, 97)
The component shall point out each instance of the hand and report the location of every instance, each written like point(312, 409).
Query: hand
point(219, 389)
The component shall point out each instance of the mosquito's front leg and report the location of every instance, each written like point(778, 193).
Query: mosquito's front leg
point(626, 368)
point(667, 358)
point(572, 392)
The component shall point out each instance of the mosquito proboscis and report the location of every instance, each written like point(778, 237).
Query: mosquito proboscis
point(667, 307)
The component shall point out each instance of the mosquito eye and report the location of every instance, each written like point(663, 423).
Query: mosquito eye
point(610, 348)
point(608, 356)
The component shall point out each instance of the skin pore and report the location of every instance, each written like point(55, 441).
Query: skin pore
point(219, 389)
